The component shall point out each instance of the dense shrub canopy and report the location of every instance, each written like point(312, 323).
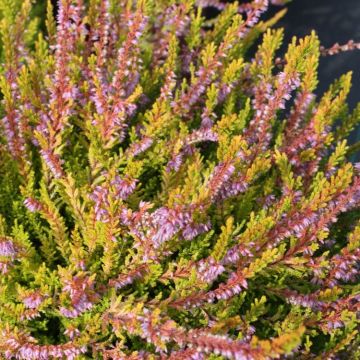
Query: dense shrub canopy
point(170, 189)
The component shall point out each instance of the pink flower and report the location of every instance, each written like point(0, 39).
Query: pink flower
point(209, 270)
point(192, 230)
point(128, 278)
point(140, 146)
point(4, 267)
point(19, 345)
point(30, 314)
point(124, 186)
point(72, 332)
point(219, 177)
point(166, 223)
point(53, 162)
point(175, 162)
point(204, 134)
point(7, 248)
point(33, 300)
point(211, 3)
point(82, 295)
point(32, 204)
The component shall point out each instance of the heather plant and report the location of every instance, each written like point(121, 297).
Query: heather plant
point(172, 188)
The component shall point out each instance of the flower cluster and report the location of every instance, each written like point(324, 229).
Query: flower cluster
point(165, 195)
point(80, 290)
point(23, 346)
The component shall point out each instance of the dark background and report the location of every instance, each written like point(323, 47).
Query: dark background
point(334, 21)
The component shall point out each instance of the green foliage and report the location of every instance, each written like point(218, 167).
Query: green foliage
point(161, 196)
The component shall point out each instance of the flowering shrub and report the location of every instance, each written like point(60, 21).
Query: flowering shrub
point(164, 196)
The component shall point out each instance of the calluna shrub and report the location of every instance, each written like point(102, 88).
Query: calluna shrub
point(171, 189)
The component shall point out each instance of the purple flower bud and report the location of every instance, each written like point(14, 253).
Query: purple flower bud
point(33, 300)
point(7, 248)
